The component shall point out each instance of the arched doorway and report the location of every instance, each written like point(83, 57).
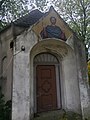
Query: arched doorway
point(66, 73)
point(47, 82)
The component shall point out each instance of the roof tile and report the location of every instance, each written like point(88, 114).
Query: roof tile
point(29, 19)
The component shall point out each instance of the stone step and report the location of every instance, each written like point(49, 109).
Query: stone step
point(50, 115)
point(57, 115)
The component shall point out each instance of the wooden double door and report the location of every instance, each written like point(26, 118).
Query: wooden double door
point(46, 93)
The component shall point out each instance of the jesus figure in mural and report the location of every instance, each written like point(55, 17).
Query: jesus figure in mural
point(52, 31)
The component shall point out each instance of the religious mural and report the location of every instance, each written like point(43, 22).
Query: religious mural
point(52, 30)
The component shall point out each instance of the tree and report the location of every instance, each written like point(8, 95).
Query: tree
point(77, 14)
point(12, 9)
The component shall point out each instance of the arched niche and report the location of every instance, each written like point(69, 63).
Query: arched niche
point(67, 70)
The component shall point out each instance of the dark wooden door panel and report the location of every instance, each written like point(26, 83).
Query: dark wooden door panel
point(46, 88)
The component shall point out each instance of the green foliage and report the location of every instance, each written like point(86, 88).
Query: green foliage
point(77, 14)
point(12, 9)
point(5, 108)
point(2, 105)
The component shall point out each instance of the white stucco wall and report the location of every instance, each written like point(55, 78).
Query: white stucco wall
point(6, 63)
point(82, 77)
point(72, 97)
point(21, 77)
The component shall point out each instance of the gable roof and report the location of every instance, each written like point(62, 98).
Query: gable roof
point(32, 18)
point(29, 19)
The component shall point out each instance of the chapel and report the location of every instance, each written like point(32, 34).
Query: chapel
point(43, 66)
